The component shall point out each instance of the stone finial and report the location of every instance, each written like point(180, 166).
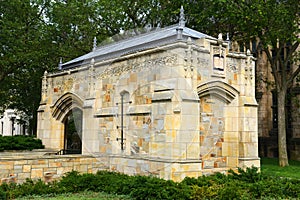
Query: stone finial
point(60, 64)
point(181, 24)
point(189, 40)
point(44, 86)
point(92, 62)
point(181, 18)
point(158, 26)
point(148, 27)
point(220, 39)
point(227, 37)
point(248, 52)
point(95, 44)
point(228, 41)
point(220, 36)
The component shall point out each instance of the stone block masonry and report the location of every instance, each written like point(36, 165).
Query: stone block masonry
point(46, 168)
point(173, 102)
point(52, 167)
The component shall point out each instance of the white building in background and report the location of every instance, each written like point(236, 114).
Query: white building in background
point(10, 124)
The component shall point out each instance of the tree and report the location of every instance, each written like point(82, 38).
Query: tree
point(22, 54)
point(34, 36)
point(275, 23)
point(128, 15)
point(71, 28)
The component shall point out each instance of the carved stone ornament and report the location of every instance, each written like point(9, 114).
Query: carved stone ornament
point(44, 84)
point(218, 60)
point(232, 68)
point(135, 66)
point(68, 84)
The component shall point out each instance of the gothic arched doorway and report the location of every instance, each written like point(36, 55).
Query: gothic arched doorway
point(73, 132)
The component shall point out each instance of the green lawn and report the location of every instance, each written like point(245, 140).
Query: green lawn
point(269, 166)
point(79, 196)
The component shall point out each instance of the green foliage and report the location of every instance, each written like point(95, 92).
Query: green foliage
point(2, 194)
point(24, 52)
point(114, 183)
point(20, 142)
point(75, 182)
point(155, 188)
point(204, 192)
point(77, 196)
point(28, 188)
point(250, 175)
point(244, 184)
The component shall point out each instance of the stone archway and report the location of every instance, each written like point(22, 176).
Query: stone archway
point(68, 114)
point(73, 132)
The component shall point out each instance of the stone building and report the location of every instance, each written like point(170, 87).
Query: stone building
point(172, 102)
point(11, 123)
point(267, 111)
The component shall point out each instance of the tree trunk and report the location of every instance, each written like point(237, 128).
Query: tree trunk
point(282, 147)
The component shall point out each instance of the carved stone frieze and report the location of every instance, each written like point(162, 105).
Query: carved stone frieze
point(137, 66)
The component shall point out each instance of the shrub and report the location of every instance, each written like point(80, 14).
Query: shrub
point(204, 192)
point(29, 187)
point(156, 188)
point(138, 187)
point(234, 189)
point(247, 184)
point(20, 142)
point(114, 183)
point(70, 182)
point(249, 175)
point(2, 194)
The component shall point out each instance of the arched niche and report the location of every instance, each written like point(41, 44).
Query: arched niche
point(68, 112)
point(215, 113)
point(218, 89)
point(64, 104)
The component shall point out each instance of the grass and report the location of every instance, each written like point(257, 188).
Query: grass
point(269, 166)
point(78, 196)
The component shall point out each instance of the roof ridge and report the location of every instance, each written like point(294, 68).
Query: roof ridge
point(138, 42)
point(135, 36)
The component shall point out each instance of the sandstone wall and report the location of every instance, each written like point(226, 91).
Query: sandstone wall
point(47, 168)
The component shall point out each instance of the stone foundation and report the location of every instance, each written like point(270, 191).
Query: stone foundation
point(17, 167)
point(47, 168)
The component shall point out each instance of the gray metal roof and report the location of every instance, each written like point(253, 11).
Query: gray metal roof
point(141, 42)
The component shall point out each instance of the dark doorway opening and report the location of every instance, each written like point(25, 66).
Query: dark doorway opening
point(73, 132)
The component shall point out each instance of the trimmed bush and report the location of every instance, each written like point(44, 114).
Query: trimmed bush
point(246, 184)
point(2, 194)
point(20, 142)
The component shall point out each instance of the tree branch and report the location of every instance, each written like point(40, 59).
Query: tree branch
point(289, 56)
point(273, 66)
point(293, 49)
point(293, 76)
